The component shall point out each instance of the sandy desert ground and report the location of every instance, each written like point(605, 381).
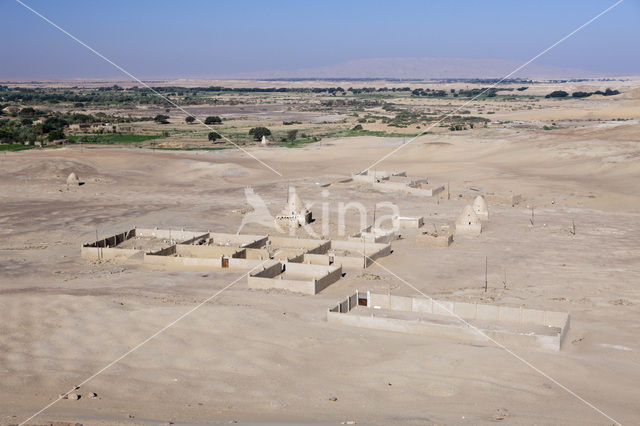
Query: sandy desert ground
point(254, 356)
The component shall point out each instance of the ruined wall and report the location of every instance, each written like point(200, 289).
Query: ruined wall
point(406, 222)
point(209, 251)
point(306, 279)
point(334, 274)
point(238, 240)
point(310, 245)
point(316, 259)
point(106, 253)
point(253, 253)
point(425, 192)
point(239, 263)
point(477, 311)
point(174, 234)
point(181, 263)
point(307, 270)
point(289, 255)
point(268, 270)
point(352, 262)
point(466, 311)
point(113, 240)
point(429, 240)
point(296, 286)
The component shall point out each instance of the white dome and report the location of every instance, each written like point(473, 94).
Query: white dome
point(72, 179)
point(468, 217)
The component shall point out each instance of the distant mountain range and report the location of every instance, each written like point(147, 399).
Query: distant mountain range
point(423, 68)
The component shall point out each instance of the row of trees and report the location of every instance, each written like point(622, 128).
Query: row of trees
point(563, 94)
point(256, 132)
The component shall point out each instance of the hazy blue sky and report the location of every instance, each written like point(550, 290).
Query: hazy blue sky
point(205, 38)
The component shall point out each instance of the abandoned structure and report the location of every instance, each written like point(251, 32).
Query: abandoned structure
point(529, 328)
point(374, 235)
point(313, 261)
point(296, 277)
point(398, 181)
point(431, 237)
point(295, 213)
point(468, 222)
point(481, 208)
point(406, 222)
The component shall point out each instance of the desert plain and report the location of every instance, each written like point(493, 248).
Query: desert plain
point(251, 356)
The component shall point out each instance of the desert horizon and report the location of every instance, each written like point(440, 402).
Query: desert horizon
point(291, 238)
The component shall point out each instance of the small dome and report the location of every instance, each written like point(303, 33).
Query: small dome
point(480, 206)
point(72, 179)
point(468, 217)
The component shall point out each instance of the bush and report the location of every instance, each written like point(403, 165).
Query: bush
point(27, 112)
point(55, 134)
point(292, 134)
point(557, 94)
point(213, 119)
point(581, 94)
point(161, 119)
point(214, 136)
point(357, 127)
point(190, 119)
point(53, 123)
point(259, 132)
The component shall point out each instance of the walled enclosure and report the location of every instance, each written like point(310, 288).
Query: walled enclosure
point(307, 265)
point(530, 328)
point(296, 277)
point(407, 222)
point(374, 235)
point(398, 181)
point(426, 239)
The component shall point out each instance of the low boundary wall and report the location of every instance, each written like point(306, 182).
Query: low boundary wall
point(467, 311)
point(305, 278)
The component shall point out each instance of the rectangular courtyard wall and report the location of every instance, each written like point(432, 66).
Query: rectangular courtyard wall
point(463, 310)
point(209, 251)
point(238, 240)
point(181, 263)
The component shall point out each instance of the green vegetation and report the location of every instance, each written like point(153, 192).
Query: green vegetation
point(557, 94)
point(380, 134)
point(292, 134)
point(259, 132)
point(298, 142)
point(55, 134)
point(214, 119)
point(213, 136)
point(113, 138)
point(15, 147)
point(161, 119)
point(190, 119)
point(204, 148)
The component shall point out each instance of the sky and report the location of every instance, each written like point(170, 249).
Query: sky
point(191, 38)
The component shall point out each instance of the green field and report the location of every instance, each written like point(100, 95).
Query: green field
point(15, 147)
point(113, 138)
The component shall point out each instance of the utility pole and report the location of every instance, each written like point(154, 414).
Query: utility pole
point(373, 225)
point(486, 282)
point(364, 252)
point(532, 220)
point(97, 245)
